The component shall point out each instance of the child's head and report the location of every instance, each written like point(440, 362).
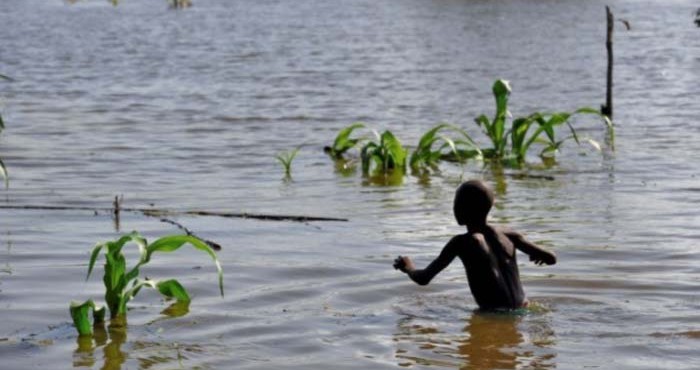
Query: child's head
point(473, 201)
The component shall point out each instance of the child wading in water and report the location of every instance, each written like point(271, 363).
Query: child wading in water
point(487, 252)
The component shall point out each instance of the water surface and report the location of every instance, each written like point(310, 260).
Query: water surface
point(186, 109)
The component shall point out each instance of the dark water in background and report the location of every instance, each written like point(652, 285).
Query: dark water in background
point(186, 110)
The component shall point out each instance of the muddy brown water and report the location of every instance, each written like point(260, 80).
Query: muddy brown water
point(185, 110)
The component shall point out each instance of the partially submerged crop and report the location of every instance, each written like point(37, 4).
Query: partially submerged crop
point(122, 284)
point(434, 146)
point(511, 141)
point(387, 154)
point(286, 158)
point(343, 142)
point(511, 144)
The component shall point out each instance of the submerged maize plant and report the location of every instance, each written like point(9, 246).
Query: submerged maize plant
point(434, 146)
point(511, 144)
point(122, 284)
point(511, 141)
point(286, 159)
point(343, 142)
point(387, 154)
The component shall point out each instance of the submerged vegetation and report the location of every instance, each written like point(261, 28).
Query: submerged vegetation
point(122, 285)
point(387, 154)
point(511, 140)
point(510, 144)
point(286, 158)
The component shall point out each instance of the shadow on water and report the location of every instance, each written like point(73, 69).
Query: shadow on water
point(488, 341)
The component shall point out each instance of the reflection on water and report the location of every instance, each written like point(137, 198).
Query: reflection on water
point(115, 349)
point(111, 339)
point(488, 341)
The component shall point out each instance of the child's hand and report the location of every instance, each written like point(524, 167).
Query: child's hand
point(403, 263)
point(543, 258)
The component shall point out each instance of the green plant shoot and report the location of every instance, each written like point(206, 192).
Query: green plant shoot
point(122, 284)
point(343, 142)
point(519, 135)
point(81, 311)
point(386, 153)
point(495, 128)
point(286, 159)
point(426, 156)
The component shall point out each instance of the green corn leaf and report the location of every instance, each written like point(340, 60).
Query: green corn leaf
point(286, 159)
point(93, 257)
point(174, 242)
point(366, 155)
point(3, 77)
point(173, 289)
point(483, 121)
point(395, 151)
point(80, 313)
point(343, 142)
point(169, 288)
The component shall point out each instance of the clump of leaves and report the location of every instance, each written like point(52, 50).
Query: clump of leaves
point(122, 284)
point(286, 158)
point(384, 155)
point(435, 146)
point(511, 144)
point(343, 142)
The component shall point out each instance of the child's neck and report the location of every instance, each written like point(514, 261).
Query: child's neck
point(477, 227)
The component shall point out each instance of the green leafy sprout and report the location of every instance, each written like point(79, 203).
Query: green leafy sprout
point(511, 144)
point(510, 140)
point(286, 158)
point(122, 284)
point(343, 142)
point(434, 146)
point(386, 153)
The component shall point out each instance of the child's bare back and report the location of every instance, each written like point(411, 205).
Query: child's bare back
point(487, 253)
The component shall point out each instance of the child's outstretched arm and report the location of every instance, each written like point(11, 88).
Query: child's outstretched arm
point(423, 277)
point(537, 254)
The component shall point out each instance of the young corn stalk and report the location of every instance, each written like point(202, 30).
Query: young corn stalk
point(433, 147)
point(343, 142)
point(387, 154)
point(519, 135)
point(122, 284)
point(286, 158)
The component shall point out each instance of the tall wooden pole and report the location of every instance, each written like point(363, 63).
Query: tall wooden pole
point(607, 108)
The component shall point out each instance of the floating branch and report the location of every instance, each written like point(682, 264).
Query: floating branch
point(213, 245)
point(154, 212)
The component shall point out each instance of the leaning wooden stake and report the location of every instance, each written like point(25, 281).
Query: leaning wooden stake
point(607, 108)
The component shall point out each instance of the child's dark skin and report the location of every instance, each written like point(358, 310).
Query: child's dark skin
point(487, 252)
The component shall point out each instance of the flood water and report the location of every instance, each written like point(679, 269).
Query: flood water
point(185, 110)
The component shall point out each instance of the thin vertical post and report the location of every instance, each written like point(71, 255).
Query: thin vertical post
point(607, 108)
